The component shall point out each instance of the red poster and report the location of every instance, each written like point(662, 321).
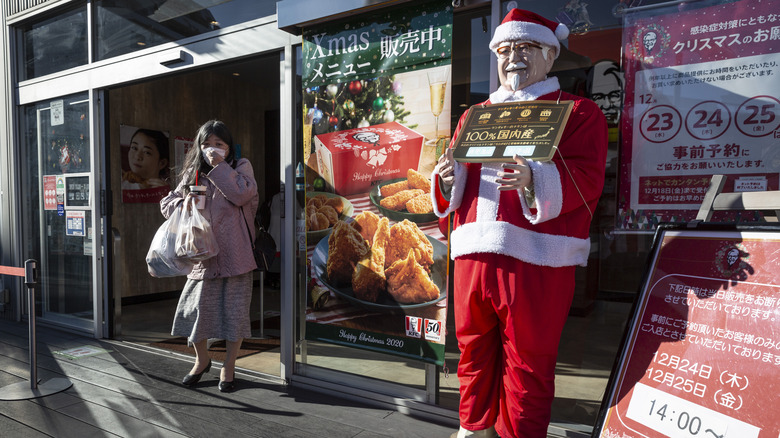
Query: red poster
point(702, 99)
point(49, 192)
point(702, 353)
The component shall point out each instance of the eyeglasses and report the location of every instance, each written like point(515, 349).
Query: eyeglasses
point(522, 49)
point(612, 96)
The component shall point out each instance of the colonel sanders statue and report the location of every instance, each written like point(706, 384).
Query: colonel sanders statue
point(519, 231)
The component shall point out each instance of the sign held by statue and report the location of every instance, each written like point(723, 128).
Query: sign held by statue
point(498, 132)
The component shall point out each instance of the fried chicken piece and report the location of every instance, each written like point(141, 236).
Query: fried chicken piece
point(409, 283)
point(366, 222)
point(329, 213)
point(316, 202)
point(420, 204)
point(368, 280)
point(391, 189)
point(405, 236)
point(310, 211)
point(318, 221)
point(418, 181)
point(336, 203)
point(398, 201)
point(346, 247)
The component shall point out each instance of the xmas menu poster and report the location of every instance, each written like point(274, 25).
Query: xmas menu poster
point(702, 98)
point(702, 351)
point(376, 99)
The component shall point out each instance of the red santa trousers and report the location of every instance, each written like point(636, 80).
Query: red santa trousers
point(509, 316)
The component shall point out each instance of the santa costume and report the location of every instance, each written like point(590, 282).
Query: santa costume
point(515, 261)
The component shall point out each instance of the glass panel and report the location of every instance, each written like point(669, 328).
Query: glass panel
point(252, 87)
point(58, 217)
point(590, 65)
point(124, 26)
point(471, 61)
point(390, 332)
point(55, 44)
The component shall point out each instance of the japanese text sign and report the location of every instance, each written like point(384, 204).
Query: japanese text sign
point(702, 98)
point(418, 34)
point(702, 349)
point(498, 132)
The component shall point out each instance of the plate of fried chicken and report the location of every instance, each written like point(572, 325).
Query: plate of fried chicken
point(323, 210)
point(381, 267)
point(405, 198)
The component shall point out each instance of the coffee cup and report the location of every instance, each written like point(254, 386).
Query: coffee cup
point(199, 193)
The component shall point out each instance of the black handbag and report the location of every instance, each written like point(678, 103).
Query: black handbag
point(263, 248)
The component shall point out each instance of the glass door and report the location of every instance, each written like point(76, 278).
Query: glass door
point(59, 210)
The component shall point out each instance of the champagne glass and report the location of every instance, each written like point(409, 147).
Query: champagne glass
point(437, 81)
point(308, 117)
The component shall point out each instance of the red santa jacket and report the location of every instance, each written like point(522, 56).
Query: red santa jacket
point(567, 189)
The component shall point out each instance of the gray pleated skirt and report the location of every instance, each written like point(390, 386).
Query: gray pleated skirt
point(216, 308)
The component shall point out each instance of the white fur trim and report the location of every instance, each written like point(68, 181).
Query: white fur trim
point(526, 31)
point(484, 433)
point(531, 92)
point(561, 32)
point(456, 194)
point(520, 243)
point(548, 192)
point(487, 204)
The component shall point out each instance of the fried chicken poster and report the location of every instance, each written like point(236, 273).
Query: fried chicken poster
point(379, 285)
point(377, 260)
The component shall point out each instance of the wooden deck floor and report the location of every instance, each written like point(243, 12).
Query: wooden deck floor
point(128, 391)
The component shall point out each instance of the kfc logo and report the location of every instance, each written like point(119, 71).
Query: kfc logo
point(650, 43)
point(367, 137)
point(732, 260)
point(414, 326)
point(732, 256)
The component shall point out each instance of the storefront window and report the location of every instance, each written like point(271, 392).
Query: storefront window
point(58, 211)
point(127, 26)
point(594, 63)
point(376, 111)
point(54, 44)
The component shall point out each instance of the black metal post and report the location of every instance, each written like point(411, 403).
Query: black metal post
point(20, 391)
point(29, 281)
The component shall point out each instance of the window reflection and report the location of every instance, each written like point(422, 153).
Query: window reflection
point(55, 44)
point(605, 85)
point(56, 147)
point(125, 26)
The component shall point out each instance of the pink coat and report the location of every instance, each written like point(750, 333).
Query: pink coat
point(227, 190)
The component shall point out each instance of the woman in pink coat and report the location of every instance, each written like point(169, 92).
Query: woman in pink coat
point(215, 300)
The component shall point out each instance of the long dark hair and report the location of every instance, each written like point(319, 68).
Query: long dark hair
point(162, 144)
point(194, 162)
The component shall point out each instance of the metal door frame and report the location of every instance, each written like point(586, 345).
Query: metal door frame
point(94, 206)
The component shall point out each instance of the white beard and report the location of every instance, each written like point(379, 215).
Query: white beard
point(531, 92)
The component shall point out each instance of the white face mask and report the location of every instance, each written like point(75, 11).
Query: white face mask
point(218, 151)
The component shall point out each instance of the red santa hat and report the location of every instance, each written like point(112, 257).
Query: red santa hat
point(528, 26)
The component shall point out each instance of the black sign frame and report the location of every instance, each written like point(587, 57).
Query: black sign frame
point(77, 190)
point(496, 132)
point(622, 359)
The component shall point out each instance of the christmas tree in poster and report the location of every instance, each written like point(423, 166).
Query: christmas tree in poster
point(353, 104)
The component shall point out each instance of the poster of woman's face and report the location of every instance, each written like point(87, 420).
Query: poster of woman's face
point(145, 164)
